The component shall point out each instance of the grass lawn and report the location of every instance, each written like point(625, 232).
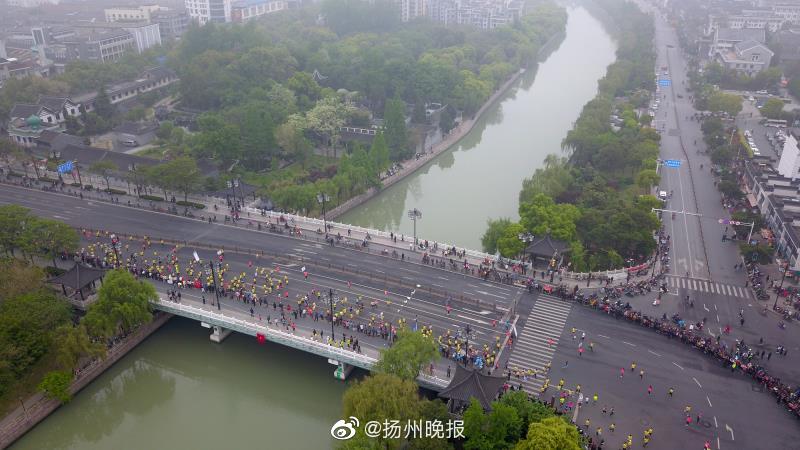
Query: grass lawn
point(26, 386)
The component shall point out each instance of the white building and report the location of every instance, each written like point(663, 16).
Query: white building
point(789, 164)
point(205, 11)
point(245, 10)
point(790, 12)
point(130, 13)
point(31, 3)
point(145, 34)
point(411, 9)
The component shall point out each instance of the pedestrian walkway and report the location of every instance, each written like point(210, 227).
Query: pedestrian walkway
point(710, 287)
point(537, 342)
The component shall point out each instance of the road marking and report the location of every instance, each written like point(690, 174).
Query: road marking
point(486, 293)
point(379, 271)
point(698, 383)
point(715, 422)
point(730, 430)
point(718, 443)
point(59, 217)
point(628, 343)
point(603, 336)
point(443, 278)
point(352, 265)
point(709, 402)
point(437, 285)
point(717, 318)
point(654, 353)
point(474, 320)
point(676, 365)
point(704, 307)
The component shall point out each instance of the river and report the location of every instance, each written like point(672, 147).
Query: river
point(481, 176)
point(178, 390)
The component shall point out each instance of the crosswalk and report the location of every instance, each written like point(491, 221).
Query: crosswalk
point(709, 287)
point(532, 350)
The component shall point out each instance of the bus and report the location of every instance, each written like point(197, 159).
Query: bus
point(775, 123)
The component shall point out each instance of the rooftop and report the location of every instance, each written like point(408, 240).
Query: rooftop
point(739, 35)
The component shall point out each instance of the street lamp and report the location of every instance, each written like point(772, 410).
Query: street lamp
point(330, 299)
point(415, 214)
point(213, 276)
point(115, 246)
point(323, 198)
point(467, 332)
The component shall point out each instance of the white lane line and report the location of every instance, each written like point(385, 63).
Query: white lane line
point(715, 422)
point(628, 343)
point(718, 443)
point(603, 336)
point(437, 285)
point(487, 293)
point(443, 278)
point(730, 430)
point(698, 383)
point(654, 353)
point(715, 307)
point(717, 318)
point(676, 365)
point(474, 320)
point(705, 307)
point(709, 402)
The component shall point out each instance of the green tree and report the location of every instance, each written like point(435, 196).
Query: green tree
point(123, 303)
point(136, 114)
point(509, 244)
point(379, 153)
point(327, 118)
point(527, 410)
point(164, 131)
point(18, 277)
point(552, 433)
point(772, 109)
point(553, 179)
point(495, 229)
point(104, 169)
point(729, 103)
point(499, 429)
point(102, 104)
point(408, 355)
point(381, 396)
point(73, 344)
point(542, 215)
point(13, 221)
point(183, 175)
point(447, 119)
point(55, 385)
point(394, 125)
point(291, 138)
point(47, 237)
point(646, 179)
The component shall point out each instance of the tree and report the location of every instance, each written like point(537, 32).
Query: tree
point(164, 131)
point(447, 119)
point(18, 277)
point(123, 303)
point(13, 221)
point(728, 103)
point(47, 237)
point(499, 429)
point(509, 244)
point(772, 109)
point(381, 396)
point(527, 410)
point(542, 215)
point(291, 138)
point(405, 358)
point(647, 178)
point(102, 104)
point(183, 175)
point(73, 344)
point(495, 229)
point(104, 168)
point(552, 180)
point(552, 433)
point(379, 153)
point(327, 118)
point(55, 385)
point(136, 114)
point(394, 125)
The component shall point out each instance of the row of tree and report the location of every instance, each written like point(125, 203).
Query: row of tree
point(597, 198)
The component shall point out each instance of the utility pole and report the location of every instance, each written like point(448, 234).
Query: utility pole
point(330, 299)
point(414, 215)
point(323, 198)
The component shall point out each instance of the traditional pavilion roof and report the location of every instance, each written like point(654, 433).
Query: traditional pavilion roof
point(546, 246)
point(78, 277)
point(469, 383)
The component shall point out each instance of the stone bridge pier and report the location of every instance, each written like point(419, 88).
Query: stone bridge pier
point(342, 370)
point(218, 333)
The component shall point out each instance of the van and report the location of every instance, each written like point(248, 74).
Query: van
point(129, 143)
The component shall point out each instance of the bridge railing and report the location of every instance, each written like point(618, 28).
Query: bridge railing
point(282, 337)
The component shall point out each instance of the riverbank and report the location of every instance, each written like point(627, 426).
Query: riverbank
point(452, 138)
point(37, 407)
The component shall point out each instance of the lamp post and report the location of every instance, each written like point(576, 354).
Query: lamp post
point(467, 332)
point(526, 238)
point(213, 277)
point(115, 246)
point(330, 299)
point(415, 214)
point(323, 198)
point(777, 294)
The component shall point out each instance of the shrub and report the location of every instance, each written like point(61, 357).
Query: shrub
point(116, 191)
point(192, 204)
point(154, 198)
point(53, 271)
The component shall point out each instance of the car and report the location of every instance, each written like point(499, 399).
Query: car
point(762, 92)
point(752, 99)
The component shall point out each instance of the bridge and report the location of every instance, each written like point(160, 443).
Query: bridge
point(223, 325)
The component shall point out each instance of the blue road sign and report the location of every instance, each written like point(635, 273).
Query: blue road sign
point(67, 167)
point(672, 163)
point(664, 82)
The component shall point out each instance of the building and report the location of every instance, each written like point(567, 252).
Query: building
point(725, 38)
point(30, 3)
point(778, 200)
point(205, 11)
point(789, 12)
point(134, 134)
point(788, 43)
point(484, 14)
point(152, 79)
point(411, 9)
point(244, 10)
point(747, 58)
point(99, 46)
point(28, 121)
point(171, 24)
point(130, 13)
point(145, 34)
point(789, 164)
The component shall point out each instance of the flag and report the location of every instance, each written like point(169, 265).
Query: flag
point(261, 338)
